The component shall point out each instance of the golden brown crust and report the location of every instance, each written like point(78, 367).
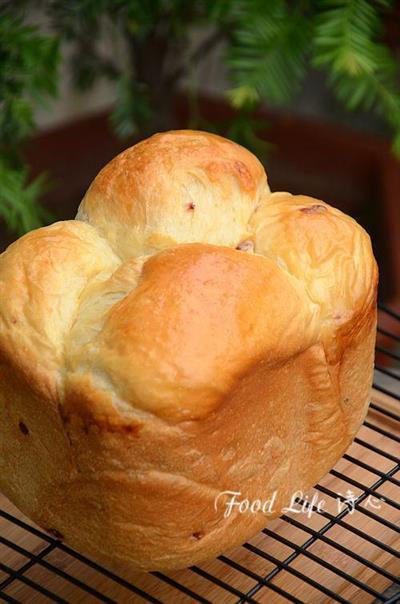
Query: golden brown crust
point(175, 187)
point(178, 351)
point(154, 354)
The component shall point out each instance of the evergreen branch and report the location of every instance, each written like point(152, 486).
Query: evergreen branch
point(28, 76)
point(132, 110)
point(267, 55)
point(198, 54)
point(19, 205)
point(245, 128)
point(361, 70)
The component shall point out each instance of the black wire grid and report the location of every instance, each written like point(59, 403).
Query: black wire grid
point(255, 572)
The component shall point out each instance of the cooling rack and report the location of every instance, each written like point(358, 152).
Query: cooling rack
point(346, 550)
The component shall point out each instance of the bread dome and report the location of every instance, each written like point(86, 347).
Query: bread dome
point(189, 333)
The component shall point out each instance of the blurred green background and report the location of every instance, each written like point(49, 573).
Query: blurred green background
point(146, 52)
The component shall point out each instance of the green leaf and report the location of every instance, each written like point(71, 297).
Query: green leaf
point(243, 96)
point(361, 70)
point(132, 110)
point(244, 129)
point(396, 144)
point(28, 76)
point(19, 199)
point(29, 72)
point(219, 10)
point(268, 48)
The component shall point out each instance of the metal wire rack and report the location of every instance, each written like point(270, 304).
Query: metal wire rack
point(346, 550)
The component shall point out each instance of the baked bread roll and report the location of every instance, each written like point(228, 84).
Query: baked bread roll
point(189, 333)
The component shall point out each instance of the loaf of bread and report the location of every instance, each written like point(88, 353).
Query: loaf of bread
point(189, 333)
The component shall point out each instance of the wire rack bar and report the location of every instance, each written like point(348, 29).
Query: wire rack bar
point(303, 548)
point(285, 565)
point(33, 585)
point(367, 445)
point(389, 435)
point(386, 412)
point(38, 560)
point(8, 598)
point(388, 334)
point(363, 487)
point(341, 548)
point(180, 587)
point(361, 498)
point(366, 466)
point(389, 310)
point(386, 391)
point(259, 579)
point(387, 372)
point(61, 546)
point(388, 353)
point(25, 567)
point(356, 531)
point(337, 571)
point(353, 529)
point(216, 581)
